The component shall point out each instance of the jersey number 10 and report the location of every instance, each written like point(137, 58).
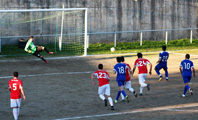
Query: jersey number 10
point(187, 65)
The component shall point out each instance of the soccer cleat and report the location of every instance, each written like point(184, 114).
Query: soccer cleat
point(190, 90)
point(148, 87)
point(183, 95)
point(51, 53)
point(105, 100)
point(116, 101)
point(135, 94)
point(112, 108)
point(122, 100)
point(160, 78)
point(167, 80)
point(46, 61)
point(140, 94)
point(127, 98)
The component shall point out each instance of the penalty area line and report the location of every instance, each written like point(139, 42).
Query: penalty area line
point(169, 108)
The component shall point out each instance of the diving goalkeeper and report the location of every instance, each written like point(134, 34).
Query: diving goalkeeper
point(31, 48)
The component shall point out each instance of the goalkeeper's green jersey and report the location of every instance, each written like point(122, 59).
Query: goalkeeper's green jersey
point(30, 46)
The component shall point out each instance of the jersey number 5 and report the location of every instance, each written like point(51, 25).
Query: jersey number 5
point(14, 86)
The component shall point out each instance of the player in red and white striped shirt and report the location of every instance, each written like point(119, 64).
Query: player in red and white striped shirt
point(142, 63)
point(104, 87)
point(127, 83)
point(16, 88)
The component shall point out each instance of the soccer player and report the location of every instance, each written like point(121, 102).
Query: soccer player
point(162, 63)
point(15, 87)
point(104, 87)
point(186, 73)
point(127, 84)
point(120, 69)
point(31, 48)
point(142, 63)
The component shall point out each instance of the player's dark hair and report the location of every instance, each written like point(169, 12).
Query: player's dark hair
point(100, 66)
point(15, 74)
point(164, 48)
point(139, 55)
point(187, 56)
point(122, 58)
point(118, 59)
point(31, 37)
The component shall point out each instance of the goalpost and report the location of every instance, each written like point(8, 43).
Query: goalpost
point(61, 30)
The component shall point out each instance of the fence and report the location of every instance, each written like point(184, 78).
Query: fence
point(134, 36)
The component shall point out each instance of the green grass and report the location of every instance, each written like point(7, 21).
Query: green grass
point(147, 46)
point(104, 48)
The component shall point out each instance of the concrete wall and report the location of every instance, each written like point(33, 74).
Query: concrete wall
point(126, 15)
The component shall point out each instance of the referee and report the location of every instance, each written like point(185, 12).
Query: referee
point(31, 48)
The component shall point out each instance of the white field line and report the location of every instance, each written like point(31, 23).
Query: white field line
point(169, 108)
point(58, 58)
point(182, 54)
point(66, 73)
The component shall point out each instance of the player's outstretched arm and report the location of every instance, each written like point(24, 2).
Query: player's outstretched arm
point(159, 60)
point(150, 72)
point(23, 94)
point(92, 79)
point(180, 68)
point(133, 70)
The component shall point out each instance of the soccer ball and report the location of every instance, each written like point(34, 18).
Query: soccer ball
point(112, 49)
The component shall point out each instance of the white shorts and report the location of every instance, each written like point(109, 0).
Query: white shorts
point(127, 85)
point(142, 78)
point(105, 89)
point(15, 103)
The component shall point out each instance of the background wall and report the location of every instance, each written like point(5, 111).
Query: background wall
point(126, 15)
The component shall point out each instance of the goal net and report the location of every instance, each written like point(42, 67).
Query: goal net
point(60, 30)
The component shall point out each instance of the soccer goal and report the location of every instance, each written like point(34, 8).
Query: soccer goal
point(61, 30)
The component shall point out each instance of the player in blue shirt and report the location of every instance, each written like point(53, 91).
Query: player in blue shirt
point(162, 63)
point(120, 69)
point(186, 72)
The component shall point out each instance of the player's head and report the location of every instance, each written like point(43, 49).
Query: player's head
point(100, 66)
point(139, 55)
point(122, 58)
point(15, 74)
point(31, 37)
point(164, 48)
point(118, 59)
point(187, 56)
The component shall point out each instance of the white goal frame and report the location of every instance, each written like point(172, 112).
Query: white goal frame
point(58, 9)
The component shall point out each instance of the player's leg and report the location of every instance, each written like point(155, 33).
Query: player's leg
point(166, 72)
point(13, 105)
point(101, 92)
point(157, 69)
point(107, 93)
point(128, 87)
point(142, 78)
point(187, 87)
point(37, 54)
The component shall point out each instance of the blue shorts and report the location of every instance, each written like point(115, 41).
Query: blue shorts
point(186, 78)
point(121, 82)
point(160, 66)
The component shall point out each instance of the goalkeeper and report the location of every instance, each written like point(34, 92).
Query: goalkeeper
point(31, 48)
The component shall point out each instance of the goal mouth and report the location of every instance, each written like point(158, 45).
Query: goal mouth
point(64, 31)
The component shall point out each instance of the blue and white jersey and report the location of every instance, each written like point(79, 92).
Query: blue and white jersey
point(164, 57)
point(187, 65)
point(120, 69)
